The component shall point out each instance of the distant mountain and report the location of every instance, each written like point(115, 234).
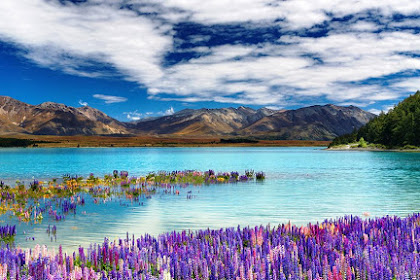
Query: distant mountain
point(400, 127)
point(309, 123)
point(223, 121)
point(51, 118)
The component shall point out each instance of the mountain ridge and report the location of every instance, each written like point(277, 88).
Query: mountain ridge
point(317, 122)
point(50, 118)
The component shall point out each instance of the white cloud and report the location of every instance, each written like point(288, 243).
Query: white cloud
point(75, 38)
point(384, 109)
point(275, 108)
point(364, 26)
point(357, 104)
point(169, 111)
point(134, 116)
point(296, 14)
point(65, 37)
point(82, 103)
point(273, 74)
point(406, 23)
point(375, 111)
point(109, 99)
point(412, 84)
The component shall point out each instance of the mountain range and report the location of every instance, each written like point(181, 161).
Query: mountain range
point(308, 123)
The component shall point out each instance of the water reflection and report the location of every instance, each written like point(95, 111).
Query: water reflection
point(303, 185)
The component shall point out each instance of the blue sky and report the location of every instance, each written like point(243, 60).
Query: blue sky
point(138, 58)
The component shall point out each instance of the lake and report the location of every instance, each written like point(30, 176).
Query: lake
point(302, 185)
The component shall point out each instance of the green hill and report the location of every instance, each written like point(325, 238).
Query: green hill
point(400, 127)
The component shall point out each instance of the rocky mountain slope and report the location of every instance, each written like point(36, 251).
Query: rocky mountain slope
point(224, 121)
point(51, 118)
point(308, 123)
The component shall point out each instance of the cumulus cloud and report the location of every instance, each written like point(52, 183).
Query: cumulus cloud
point(134, 116)
point(413, 84)
point(82, 103)
point(274, 108)
point(67, 36)
point(268, 75)
point(109, 99)
point(383, 109)
point(169, 111)
point(101, 38)
point(295, 14)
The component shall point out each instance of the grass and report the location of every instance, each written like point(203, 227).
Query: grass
point(156, 141)
point(363, 146)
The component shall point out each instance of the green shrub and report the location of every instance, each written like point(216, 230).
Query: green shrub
point(410, 147)
point(362, 143)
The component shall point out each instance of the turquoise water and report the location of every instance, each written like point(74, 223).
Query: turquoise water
point(303, 185)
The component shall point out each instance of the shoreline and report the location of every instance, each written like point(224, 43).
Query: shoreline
point(370, 149)
point(48, 141)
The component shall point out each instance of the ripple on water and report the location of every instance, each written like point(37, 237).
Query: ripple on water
point(303, 185)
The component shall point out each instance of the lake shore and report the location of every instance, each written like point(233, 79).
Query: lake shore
point(47, 141)
point(369, 149)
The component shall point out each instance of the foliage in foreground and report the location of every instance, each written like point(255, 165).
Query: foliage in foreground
point(7, 234)
point(347, 248)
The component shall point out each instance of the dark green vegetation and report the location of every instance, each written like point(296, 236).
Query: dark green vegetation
point(15, 142)
point(399, 128)
point(238, 140)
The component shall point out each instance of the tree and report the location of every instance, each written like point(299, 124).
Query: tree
point(397, 128)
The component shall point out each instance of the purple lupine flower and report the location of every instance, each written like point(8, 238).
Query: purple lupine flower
point(124, 174)
point(7, 233)
point(243, 178)
point(345, 248)
point(234, 174)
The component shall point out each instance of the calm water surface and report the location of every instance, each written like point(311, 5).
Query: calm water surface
point(303, 185)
